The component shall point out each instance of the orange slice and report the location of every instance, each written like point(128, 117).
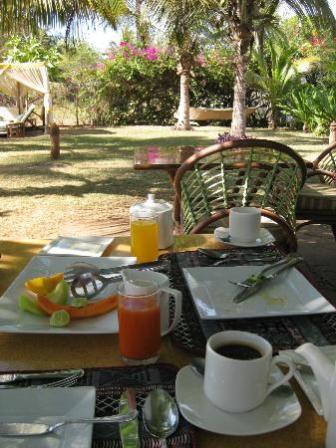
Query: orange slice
point(43, 285)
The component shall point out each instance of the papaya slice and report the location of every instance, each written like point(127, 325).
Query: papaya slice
point(91, 310)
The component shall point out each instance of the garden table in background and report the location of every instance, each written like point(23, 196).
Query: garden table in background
point(166, 159)
point(42, 352)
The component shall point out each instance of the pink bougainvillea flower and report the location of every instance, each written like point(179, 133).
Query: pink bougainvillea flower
point(151, 56)
point(110, 56)
point(151, 53)
point(100, 66)
point(123, 44)
point(200, 60)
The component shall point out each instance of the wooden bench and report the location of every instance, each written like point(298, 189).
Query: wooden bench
point(207, 114)
point(15, 130)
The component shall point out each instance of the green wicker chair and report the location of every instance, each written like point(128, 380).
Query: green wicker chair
point(317, 201)
point(251, 172)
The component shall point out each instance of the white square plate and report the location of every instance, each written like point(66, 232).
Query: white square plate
point(12, 320)
point(90, 246)
point(289, 294)
point(49, 405)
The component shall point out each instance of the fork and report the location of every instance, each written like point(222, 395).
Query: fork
point(65, 382)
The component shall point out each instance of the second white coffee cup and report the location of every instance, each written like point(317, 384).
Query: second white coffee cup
point(244, 223)
point(238, 369)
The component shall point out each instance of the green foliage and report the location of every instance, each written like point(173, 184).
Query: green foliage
point(274, 76)
point(299, 106)
point(78, 80)
point(314, 107)
point(41, 48)
point(136, 86)
point(141, 85)
point(212, 81)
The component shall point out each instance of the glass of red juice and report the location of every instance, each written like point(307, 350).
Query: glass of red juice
point(139, 327)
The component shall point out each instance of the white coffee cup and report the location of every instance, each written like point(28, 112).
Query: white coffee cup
point(239, 385)
point(244, 223)
point(166, 295)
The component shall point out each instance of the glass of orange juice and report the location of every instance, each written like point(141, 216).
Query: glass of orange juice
point(144, 236)
point(139, 326)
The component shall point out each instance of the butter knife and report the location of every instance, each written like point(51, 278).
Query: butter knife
point(12, 377)
point(129, 431)
point(261, 280)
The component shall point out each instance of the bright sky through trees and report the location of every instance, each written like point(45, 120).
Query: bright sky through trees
point(100, 37)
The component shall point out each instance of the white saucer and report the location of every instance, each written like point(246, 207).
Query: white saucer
point(222, 235)
point(280, 409)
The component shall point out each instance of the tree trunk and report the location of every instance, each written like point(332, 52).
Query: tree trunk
point(54, 141)
point(77, 107)
point(183, 122)
point(138, 33)
point(242, 42)
point(273, 118)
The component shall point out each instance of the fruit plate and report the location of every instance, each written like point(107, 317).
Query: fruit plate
point(12, 320)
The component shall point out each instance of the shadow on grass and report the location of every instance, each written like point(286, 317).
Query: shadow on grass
point(120, 183)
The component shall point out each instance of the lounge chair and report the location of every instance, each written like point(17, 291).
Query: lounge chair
point(16, 125)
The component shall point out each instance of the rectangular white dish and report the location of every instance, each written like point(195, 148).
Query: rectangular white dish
point(49, 405)
point(84, 246)
point(289, 294)
point(12, 320)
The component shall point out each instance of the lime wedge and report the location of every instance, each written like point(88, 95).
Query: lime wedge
point(60, 294)
point(79, 302)
point(59, 318)
point(30, 305)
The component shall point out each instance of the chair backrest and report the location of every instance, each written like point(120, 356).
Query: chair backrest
point(8, 114)
point(251, 172)
point(22, 118)
point(326, 162)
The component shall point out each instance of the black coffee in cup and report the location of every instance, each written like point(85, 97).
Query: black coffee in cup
point(238, 351)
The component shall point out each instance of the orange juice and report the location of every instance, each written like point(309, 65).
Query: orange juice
point(139, 328)
point(144, 239)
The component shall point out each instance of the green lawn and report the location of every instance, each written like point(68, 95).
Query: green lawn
point(91, 187)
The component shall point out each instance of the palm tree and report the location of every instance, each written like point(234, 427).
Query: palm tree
point(183, 22)
point(275, 76)
point(16, 15)
point(243, 18)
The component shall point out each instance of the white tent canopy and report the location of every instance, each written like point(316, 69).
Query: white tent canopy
point(17, 78)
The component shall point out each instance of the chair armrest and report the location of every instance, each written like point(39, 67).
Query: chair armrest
point(321, 172)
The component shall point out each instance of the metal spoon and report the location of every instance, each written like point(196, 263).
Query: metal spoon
point(161, 415)
point(90, 284)
point(81, 267)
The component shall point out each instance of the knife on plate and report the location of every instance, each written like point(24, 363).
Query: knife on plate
point(254, 283)
point(129, 431)
point(13, 377)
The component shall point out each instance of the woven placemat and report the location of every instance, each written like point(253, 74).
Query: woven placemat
point(110, 382)
point(283, 332)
